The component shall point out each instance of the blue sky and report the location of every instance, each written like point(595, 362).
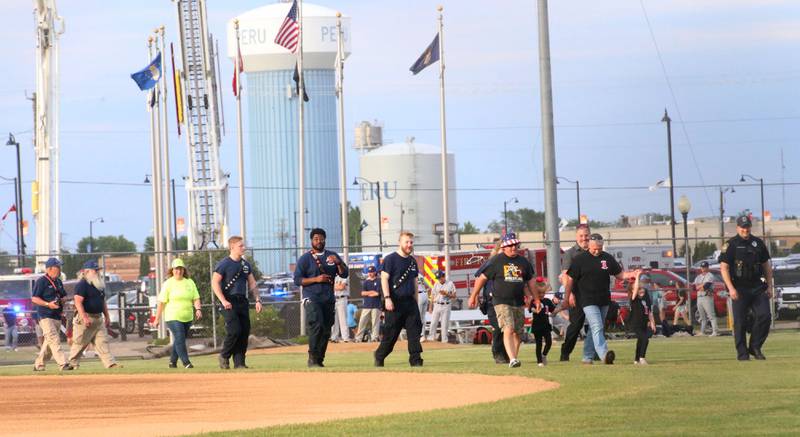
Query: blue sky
point(732, 66)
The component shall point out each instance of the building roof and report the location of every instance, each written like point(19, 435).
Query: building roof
point(407, 148)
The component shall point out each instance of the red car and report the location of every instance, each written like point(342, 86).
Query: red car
point(669, 282)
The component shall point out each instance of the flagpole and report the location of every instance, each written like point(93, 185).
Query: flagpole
point(165, 149)
point(342, 166)
point(156, 174)
point(301, 204)
point(239, 139)
point(445, 203)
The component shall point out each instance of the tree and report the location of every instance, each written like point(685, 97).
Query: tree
point(353, 225)
point(469, 228)
point(144, 264)
point(795, 248)
point(703, 250)
point(107, 243)
point(182, 244)
point(520, 220)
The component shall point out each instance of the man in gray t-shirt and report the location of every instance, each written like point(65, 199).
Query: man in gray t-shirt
point(576, 317)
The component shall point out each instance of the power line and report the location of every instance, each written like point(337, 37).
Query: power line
point(677, 107)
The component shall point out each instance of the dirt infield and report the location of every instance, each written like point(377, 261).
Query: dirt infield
point(128, 405)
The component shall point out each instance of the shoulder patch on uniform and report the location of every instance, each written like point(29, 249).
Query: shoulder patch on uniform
point(725, 246)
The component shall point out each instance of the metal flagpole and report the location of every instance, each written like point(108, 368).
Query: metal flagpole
point(301, 176)
point(342, 166)
point(445, 204)
point(165, 149)
point(239, 139)
point(155, 170)
point(549, 152)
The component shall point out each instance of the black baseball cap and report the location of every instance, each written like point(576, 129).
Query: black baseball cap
point(744, 222)
point(704, 264)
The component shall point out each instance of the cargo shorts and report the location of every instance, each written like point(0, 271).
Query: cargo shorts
point(510, 317)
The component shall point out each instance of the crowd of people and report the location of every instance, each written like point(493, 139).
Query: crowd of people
point(395, 300)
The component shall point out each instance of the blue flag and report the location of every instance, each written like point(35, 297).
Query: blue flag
point(148, 77)
point(428, 57)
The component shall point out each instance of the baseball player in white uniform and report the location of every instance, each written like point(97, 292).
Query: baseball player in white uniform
point(442, 295)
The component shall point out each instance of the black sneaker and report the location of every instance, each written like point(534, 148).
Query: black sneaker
point(378, 363)
point(416, 363)
point(758, 355)
point(501, 360)
point(240, 366)
point(609, 358)
point(224, 363)
point(564, 358)
point(67, 367)
point(314, 364)
point(188, 366)
point(173, 365)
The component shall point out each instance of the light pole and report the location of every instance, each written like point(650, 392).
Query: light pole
point(380, 216)
point(722, 191)
point(296, 238)
point(668, 120)
point(13, 142)
point(505, 213)
point(577, 192)
point(16, 217)
point(761, 184)
point(91, 232)
point(684, 205)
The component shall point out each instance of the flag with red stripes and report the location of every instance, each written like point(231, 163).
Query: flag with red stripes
point(289, 33)
point(237, 86)
point(10, 210)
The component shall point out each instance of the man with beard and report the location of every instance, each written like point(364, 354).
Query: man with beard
point(572, 298)
point(91, 317)
point(399, 289)
point(316, 271)
point(48, 296)
point(232, 278)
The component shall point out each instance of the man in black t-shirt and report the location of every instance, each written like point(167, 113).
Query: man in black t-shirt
point(513, 279)
point(591, 273)
point(498, 349)
point(576, 317)
point(399, 288)
point(91, 317)
point(231, 280)
point(747, 273)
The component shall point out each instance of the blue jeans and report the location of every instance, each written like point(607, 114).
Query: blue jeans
point(12, 334)
point(179, 331)
point(596, 340)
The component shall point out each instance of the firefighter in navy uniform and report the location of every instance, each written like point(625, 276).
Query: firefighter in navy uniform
point(747, 273)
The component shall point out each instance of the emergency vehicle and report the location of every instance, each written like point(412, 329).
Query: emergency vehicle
point(643, 256)
point(16, 291)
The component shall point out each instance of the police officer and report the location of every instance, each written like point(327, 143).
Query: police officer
point(443, 293)
point(232, 278)
point(747, 273)
point(399, 289)
point(316, 271)
point(572, 298)
point(49, 296)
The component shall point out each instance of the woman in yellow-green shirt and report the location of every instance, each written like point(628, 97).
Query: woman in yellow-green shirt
point(178, 299)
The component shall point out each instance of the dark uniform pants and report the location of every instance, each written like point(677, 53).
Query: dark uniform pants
point(319, 320)
point(237, 330)
point(498, 348)
point(642, 340)
point(759, 302)
point(576, 321)
point(405, 315)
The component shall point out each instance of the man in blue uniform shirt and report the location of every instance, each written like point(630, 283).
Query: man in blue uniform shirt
point(747, 273)
point(232, 278)
point(316, 271)
point(48, 297)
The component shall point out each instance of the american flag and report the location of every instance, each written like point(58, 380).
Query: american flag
point(290, 31)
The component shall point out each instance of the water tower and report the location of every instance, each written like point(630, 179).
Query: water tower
point(271, 129)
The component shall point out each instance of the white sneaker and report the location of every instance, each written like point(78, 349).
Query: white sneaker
point(541, 364)
point(713, 334)
point(514, 363)
point(423, 339)
point(635, 363)
point(643, 362)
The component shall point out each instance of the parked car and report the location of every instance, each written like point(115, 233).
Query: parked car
point(669, 283)
point(787, 292)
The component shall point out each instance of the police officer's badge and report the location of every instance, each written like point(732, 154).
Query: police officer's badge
point(754, 243)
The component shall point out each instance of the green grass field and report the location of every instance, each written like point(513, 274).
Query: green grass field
point(693, 386)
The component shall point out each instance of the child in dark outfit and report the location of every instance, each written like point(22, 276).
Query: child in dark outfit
point(641, 316)
point(540, 322)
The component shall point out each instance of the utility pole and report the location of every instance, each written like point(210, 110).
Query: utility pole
point(549, 152)
point(668, 120)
